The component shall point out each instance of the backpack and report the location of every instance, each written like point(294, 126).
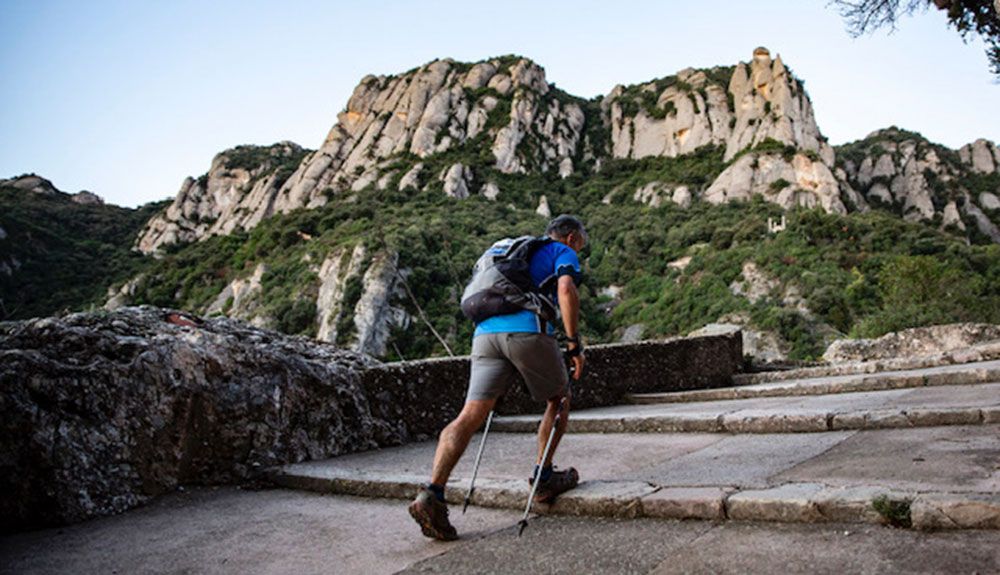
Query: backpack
point(501, 282)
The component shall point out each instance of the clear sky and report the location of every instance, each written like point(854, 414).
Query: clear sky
point(127, 98)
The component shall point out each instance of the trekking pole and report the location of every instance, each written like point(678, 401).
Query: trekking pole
point(545, 455)
point(538, 472)
point(475, 468)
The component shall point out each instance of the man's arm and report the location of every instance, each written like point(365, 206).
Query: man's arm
point(569, 306)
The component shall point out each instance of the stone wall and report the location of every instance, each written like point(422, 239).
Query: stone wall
point(426, 395)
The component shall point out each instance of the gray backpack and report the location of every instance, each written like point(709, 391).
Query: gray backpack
point(501, 282)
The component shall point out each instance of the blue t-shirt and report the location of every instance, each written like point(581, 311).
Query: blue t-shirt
point(552, 259)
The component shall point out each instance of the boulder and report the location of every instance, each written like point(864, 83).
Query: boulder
point(101, 411)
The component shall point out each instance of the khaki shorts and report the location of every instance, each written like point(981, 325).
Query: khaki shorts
point(497, 358)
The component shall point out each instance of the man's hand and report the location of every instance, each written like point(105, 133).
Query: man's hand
point(569, 306)
point(576, 360)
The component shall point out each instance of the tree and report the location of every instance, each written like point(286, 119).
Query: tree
point(968, 17)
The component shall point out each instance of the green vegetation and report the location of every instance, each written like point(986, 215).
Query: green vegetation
point(69, 254)
point(895, 512)
point(863, 274)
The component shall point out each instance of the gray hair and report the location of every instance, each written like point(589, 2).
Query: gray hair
point(563, 226)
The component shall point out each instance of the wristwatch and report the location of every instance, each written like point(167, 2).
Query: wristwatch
point(576, 350)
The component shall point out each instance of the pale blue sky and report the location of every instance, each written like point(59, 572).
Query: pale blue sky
point(127, 98)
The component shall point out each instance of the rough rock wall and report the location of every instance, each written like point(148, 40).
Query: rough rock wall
point(101, 411)
point(762, 100)
point(426, 395)
point(237, 193)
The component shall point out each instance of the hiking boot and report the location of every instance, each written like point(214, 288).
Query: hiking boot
point(558, 482)
point(432, 516)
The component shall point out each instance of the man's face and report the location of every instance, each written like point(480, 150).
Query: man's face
point(577, 240)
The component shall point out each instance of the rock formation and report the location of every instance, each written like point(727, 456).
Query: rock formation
point(914, 342)
point(101, 411)
point(678, 114)
point(239, 190)
point(797, 181)
point(31, 183)
point(923, 182)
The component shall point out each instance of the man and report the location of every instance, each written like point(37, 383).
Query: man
point(517, 342)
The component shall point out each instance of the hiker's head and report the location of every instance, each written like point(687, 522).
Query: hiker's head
point(568, 230)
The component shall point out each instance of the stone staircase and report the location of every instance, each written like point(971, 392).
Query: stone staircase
point(913, 447)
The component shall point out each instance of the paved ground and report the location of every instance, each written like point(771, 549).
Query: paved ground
point(232, 531)
point(278, 531)
point(608, 546)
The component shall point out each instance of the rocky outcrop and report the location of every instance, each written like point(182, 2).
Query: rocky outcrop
point(921, 341)
point(238, 191)
point(39, 185)
point(241, 299)
point(749, 105)
point(101, 411)
point(504, 104)
point(982, 155)
point(374, 314)
point(655, 194)
point(800, 180)
point(87, 198)
point(31, 183)
point(901, 171)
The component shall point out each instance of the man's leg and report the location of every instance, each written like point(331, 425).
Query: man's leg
point(545, 428)
point(429, 509)
point(455, 438)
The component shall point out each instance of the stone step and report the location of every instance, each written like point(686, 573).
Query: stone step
point(900, 408)
point(965, 374)
point(790, 503)
point(784, 478)
point(975, 354)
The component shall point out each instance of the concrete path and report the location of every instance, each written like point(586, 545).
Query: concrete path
point(608, 546)
point(228, 531)
point(232, 531)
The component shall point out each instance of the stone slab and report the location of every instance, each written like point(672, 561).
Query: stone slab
point(947, 459)
point(745, 461)
point(686, 503)
point(786, 503)
point(603, 499)
point(951, 511)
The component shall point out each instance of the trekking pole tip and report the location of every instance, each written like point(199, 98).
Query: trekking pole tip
point(521, 525)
